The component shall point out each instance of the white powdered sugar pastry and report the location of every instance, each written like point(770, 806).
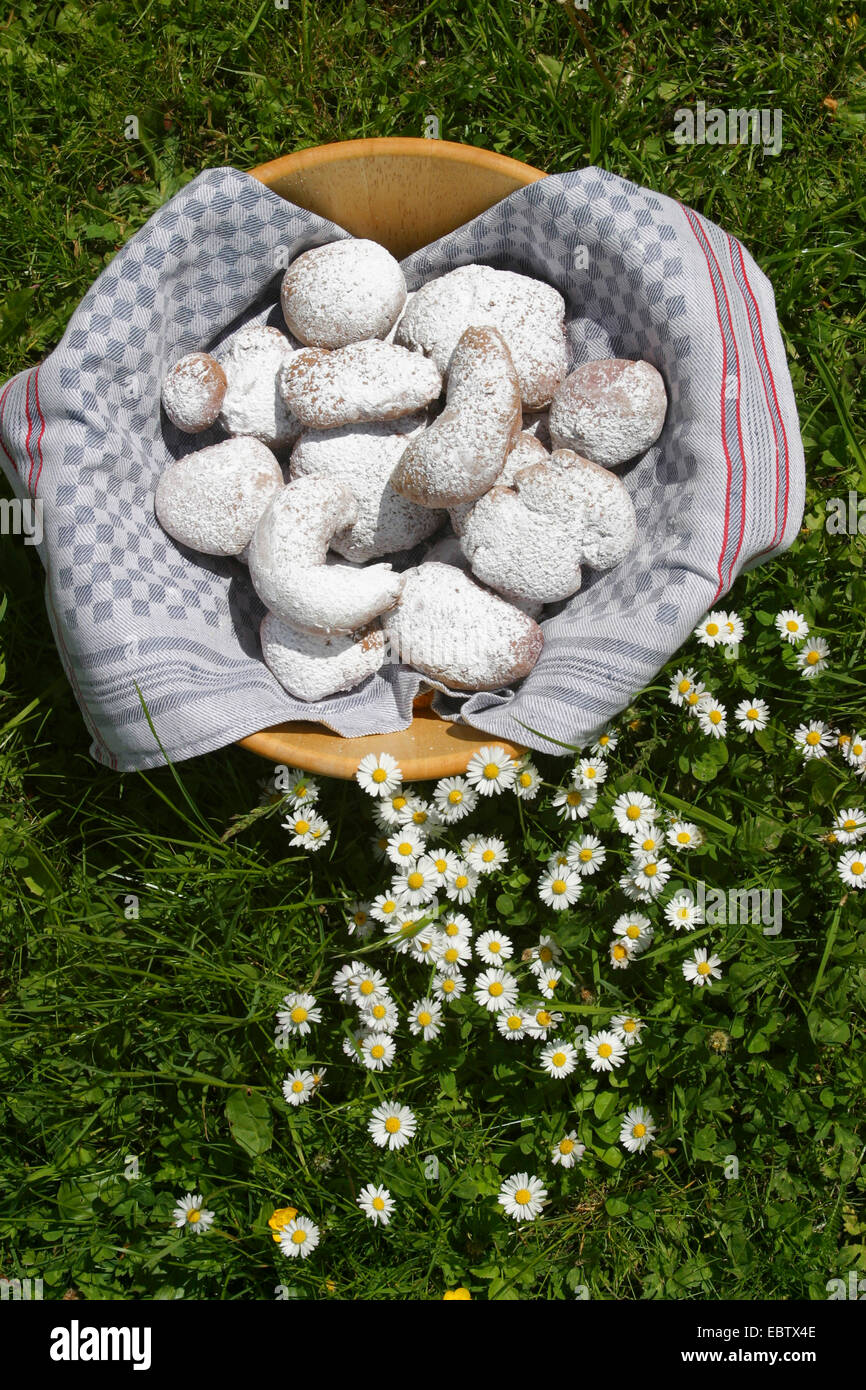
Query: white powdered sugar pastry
point(460, 455)
point(528, 313)
point(363, 457)
point(287, 561)
point(252, 404)
point(372, 380)
point(342, 293)
point(609, 411)
point(453, 631)
point(312, 666)
point(211, 500)
point(525, 450)
point(193, 391)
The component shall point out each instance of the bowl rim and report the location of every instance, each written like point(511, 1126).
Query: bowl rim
point(400, 146)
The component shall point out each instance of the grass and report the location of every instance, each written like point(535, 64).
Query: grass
point(138, 1056)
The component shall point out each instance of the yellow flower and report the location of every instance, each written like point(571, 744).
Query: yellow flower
point(281, 1217)
point(461, 1293)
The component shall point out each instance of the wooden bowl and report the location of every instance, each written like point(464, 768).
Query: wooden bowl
point(404, 194)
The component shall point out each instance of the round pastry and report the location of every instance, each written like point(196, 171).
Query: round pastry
point(460, 455)
point(609, 411)
point(571, 487)
point(252, 404)
point(525, 450)
point(363, 457)
point(287, 561)
point(192, 392)
point(453, 631)
point(212, 500)
point(312, 666)
point(342, 293)
point(364, 381)
point(528, 313)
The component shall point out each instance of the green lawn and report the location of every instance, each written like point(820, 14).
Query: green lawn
point(138, 1058)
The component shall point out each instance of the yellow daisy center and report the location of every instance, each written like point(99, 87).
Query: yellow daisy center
point(297, 1087)
point(704, 968)
point(415, 880)
point(693, 697)
point(298, 1237)
point(585, 856)
point(712, 629)
point(447, 986)
point(515, 1022)
point(461, 881)
point(857, 868)
point(525, 779)
point(425, 1019)
point(377, 1051)
point(632, 931)
point(558, 1059)
point(378, 1011)
point(441, 865)
point(629, 1025)
point(813, 657)
point(620, 953)
point(301, 827)
point(633, 813)
point(604, 740)
point(389, 905)
point(752, 713)
point(605, 1050)
point(566, 1146)
point(647, 845)
point(589, 772)
point(494, 947)
point(392, 1124)
point(380, 775)
point(193, 1215)
point(298, 1014)
point(650, 869)
point(491, 771)
point(405, 848)
point(488, 856)
point(683, 912)
point(849, 824)
point(377, 1204)
point(812, 738)
point(792, 626)
point(684, 686)
point(452, 955)
point(545, 953)
point(495, 989)
point(558, 886)
point(366, 987)
point(523, 1196)
point(683, 837)
point(398, 802)
point(638, 1131)
point(574, 798)
point(544, 1018)
point(455, 797)
point(715, 716)
point(419, 817)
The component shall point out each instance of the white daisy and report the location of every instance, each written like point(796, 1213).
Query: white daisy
point(702, 968)
point(491, 770)
point(487, 855)
point(752, 715)
point(191, 1213)
point(547, 952)
point(540, 1020)
point(385, 907)
point(340, 982)
point(402, 930)
point(850, 825)
point(299, 1237)
point(812, 658)
point(522, 1197)
point(852, 869)
point(298, 1087)
point(527, 781)
point(621, 953)
point(626, 1028)
point(378, 1051)
point(437, 864)
point(572, 802)
point(559, 1058)
point(605, 743)
point(319, 835)
point(854, 750)
point(299, 1012)
point(425, 1017)
point(405, 845)
point(733, 628)
point(712, 718)
point(548, 978)
point(300, 825)
point(633, 811)
point(448, 985)
point(366, 985)
point(424, 946)
point(455, 924)
point(422, 814)
point(813, 739)
point(650, 875)
point(494, 946)
point(711, 630)
point(696, 697)
point(454, 798)
point(586, 855)
point(298, 788)
point(414, 886)
point(353, 1046)
point(792, 626)
point(590, 772)
point(379, 774)
point(462, 885)
point(376, 1203)
point(379, 1017)
point(389, 811)
point(647, 845)
point(511, 1024)
point(682, 834)
point(558, 861)
point(359, 920)
point(638, 1130)
point(683, 912)
point(567, 1151)
point(393, 1125)
point(637, 929)
point(495, 990)
point(605, 1050)
point(559, 888)
point(681, 684)
point(452, 952)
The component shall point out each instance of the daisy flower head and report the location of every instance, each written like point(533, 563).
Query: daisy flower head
point(791, 626)
point(379, 774)
point(297, 787)
point(527, 781)
point(586, 855)
point(300, 826)
point(454, 798)
point(547, 952)
point(682, 835)
point(636, 929)
point(379, 846)
point(559, 888)
point(320, 834)
point(682, 683)
point(424, 946)
point(683, 912)
point(712, 717)
point(359, 920)
point(511, 1024)
point(392, 1126)
point(752, 715)
point(605, 743)
point(437, 864)
point(385, 907)
point(548, 978)
point(626, 1028)
point(647, 844)
point(854, 750)
point(621, 953)
point(366, 985)
point(813, 739)
point(452, 952)
point(695, 698)
point(413, 885)
point(522, 1197)
point(392, 810)
point(493, 947)
point(590, 772)
point(491, 770)
point(633, 812)
point(378, 1050)
point(649, 875)
point(702, 968)
point(405, 845)
point(733, 629)
point(191, 1214)
point(424, 815)
point(540, 1020)
point(559, 860)
point(298, 1087)
point(299, 1013)
point(605, 1050)
point(812, 658)
point(376, 1203)
point(462, 884)
point(495, 990)
point(559, 1058)
point(567, 1151)
point(850, 825)
point(453, 924)
point(380, 1017)
point(711, 630)
point(353, 1046)
point(425, 1017)
point(447, 985)
point(402, 930)
point(852, 869)
point(638, 1130)
point(299, 1238)
point(572, 802)
point(487, 855)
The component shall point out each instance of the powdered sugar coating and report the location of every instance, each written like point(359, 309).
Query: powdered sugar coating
point(252, 404)
point(573, 487)
point(192, 392)
point(450, 629)
point(312, 666)
point(212, 500)
point(609, 411)
point(363, 457)
point(528, 313)
point(365, 381)
point(287, 561)
point(460, 455)
point(342, 293)
point(525, 450)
